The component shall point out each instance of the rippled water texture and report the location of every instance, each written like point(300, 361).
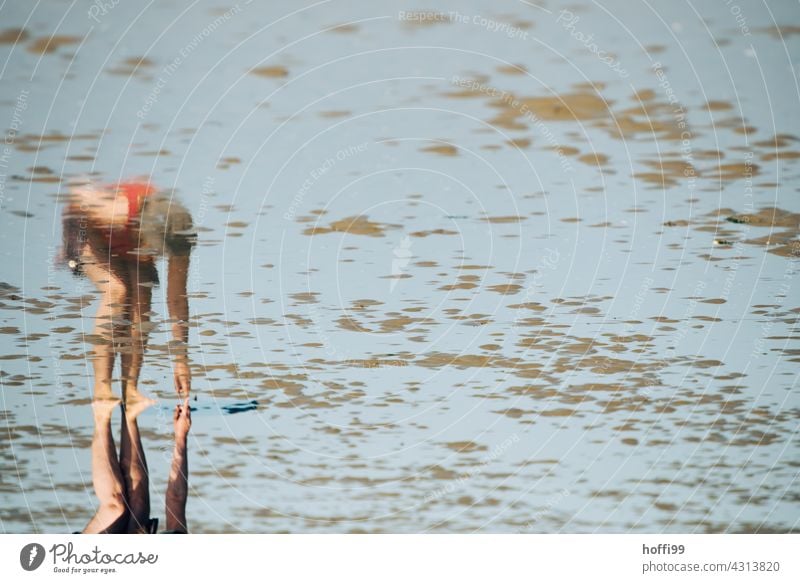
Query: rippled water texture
point(503, 268)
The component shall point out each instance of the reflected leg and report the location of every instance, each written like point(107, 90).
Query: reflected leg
point(140, 278)
point(112, 514)
point(109, 321)
point(134, 467)
point(132, 457)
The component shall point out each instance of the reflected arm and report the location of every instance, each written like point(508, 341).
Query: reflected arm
point(178, 306)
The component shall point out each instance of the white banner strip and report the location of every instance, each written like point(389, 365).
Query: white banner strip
point(401, 558)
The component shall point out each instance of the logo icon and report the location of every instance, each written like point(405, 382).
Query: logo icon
point(31, 556)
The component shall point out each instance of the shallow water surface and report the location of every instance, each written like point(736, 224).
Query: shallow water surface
point(471, 271)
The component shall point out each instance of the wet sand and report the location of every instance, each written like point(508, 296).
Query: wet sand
point(451, 276)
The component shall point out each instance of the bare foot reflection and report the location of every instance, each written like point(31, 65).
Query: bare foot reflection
point(114, 235)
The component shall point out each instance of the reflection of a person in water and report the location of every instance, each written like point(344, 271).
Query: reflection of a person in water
point(114, 235)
